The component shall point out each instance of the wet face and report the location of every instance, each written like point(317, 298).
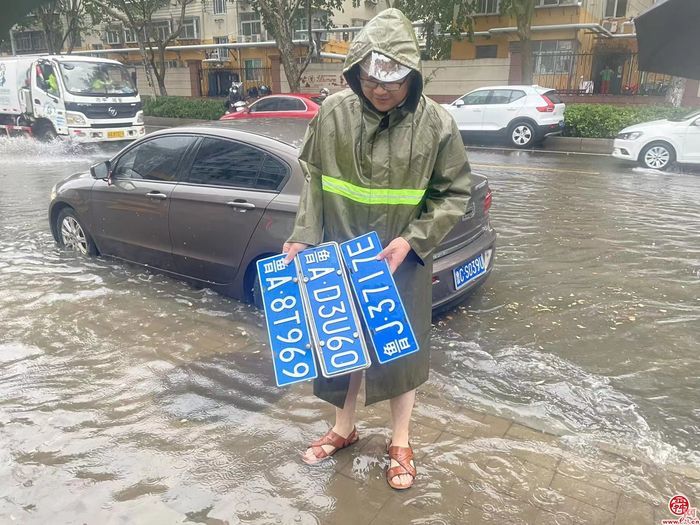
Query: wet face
point(384, 96)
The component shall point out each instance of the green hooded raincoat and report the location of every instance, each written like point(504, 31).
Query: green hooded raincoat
point(402, 173)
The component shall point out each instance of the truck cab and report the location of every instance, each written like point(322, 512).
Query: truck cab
point(85, 99)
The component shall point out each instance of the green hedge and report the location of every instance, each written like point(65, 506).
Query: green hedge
point(183, 107)
point(606, 121)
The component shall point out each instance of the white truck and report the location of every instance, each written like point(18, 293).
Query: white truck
point(85, 99)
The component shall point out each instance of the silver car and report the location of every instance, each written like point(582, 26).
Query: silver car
point(203, 203)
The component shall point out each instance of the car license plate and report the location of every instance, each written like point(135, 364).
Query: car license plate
point(115, 134)
point(378, 298)
point(335, 326)
point(287, 328)
point(468, 271)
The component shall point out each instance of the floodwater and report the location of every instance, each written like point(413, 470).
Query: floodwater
point(129, 397)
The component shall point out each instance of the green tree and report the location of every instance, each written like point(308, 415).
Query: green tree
point(279, 17)
point(443, 22)
point(64, 21)
point(137, 17)
point(523, 11)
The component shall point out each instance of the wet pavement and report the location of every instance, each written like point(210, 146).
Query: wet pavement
point(564, 391)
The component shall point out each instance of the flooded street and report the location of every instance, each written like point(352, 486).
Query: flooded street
point(129, 397)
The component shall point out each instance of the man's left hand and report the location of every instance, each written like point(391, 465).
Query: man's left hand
point(395, 252)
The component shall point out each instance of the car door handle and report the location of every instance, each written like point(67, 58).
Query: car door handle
point(241, 204)
point(156, 195)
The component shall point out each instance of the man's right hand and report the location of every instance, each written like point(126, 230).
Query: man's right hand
point(291, 249)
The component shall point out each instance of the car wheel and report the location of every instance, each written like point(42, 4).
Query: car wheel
point(657, 156)
point(72, 235)
point(257, 293)
point(522, 134)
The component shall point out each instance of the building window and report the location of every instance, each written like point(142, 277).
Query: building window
point(222, 52)
point(554, 3)
point(250, 24)
point(486, 7)
point(253, 69)
point(616, 8)
point(112, 35)
point(30, 41)
point(490, 51)
point(553, 56)
point(159, 31)
point(129, 36)
point(190, 29)
point(219, 7)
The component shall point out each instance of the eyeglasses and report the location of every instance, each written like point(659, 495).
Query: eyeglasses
point(386, 86)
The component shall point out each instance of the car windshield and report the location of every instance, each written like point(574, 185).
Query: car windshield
point(691, 114)
point(97, 78)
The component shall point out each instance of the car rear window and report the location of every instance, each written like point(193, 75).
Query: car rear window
point(554, 97)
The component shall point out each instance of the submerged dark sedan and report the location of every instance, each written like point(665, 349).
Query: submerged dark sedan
point(204, 203)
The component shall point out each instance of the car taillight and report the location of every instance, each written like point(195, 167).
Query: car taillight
point(487, 202)
point(549, 108)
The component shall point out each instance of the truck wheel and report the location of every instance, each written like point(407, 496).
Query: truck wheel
point(73, 235)
point(45, 132)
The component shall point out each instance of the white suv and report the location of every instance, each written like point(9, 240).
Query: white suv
point(525, 114)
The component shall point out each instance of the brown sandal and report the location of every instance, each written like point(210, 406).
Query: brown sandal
point(332, 439)
point(403, 456)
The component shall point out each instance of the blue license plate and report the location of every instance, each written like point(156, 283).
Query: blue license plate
point(287, 328)
point(378, 298)
point(468, 271)
point(335, 326)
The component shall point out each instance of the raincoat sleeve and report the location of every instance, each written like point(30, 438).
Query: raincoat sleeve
point(447, 196)
point(308, 225)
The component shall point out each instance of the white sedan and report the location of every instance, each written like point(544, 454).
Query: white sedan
point(660, 143)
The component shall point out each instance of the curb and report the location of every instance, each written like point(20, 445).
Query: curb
point(579, 145)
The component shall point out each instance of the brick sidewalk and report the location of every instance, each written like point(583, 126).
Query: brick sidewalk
point(478, 468)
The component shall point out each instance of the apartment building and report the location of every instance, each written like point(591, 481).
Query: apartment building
point(576, 44)
point(210, 71)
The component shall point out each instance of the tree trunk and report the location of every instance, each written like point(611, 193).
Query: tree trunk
point(526, 65)
point(159, 69)
point(146, 65)
point(674, 95)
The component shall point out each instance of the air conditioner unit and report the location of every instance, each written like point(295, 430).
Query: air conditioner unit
point(254, 38)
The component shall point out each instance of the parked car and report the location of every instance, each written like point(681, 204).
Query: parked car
point(205, 202)
point(292, 105)
point(524, 115)
point(660, 143)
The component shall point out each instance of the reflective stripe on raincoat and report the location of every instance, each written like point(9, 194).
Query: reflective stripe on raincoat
point(402, 173)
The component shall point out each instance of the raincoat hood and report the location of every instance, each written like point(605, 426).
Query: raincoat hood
point(391, 34)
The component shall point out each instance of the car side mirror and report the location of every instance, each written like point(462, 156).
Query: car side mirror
point(697, 123)
point(459, 103)
point(100, 170)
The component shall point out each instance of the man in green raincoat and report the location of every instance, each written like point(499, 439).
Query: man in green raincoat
point(381, 156)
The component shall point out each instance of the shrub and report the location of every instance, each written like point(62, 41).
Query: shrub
point(606, 121)
point(183, 107)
